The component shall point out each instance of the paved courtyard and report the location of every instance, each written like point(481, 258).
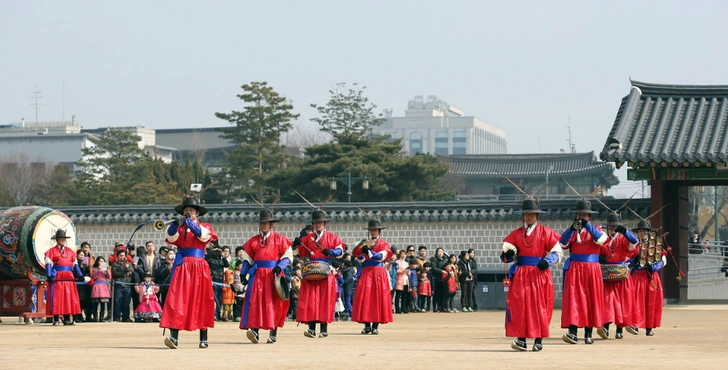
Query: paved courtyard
point(692, 337)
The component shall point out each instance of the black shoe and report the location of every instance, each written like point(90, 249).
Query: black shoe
point(366, 330)
point(588, 340)
point(537, 347)
point(632, 330)
point(649, 333)
point(619, 336)
point(518, 345)
point(603, 332)
point(69, 323)
point(272, 339)
point(570, 338)
point(171, 340)
point(252, 336)
point(323, 334)
point(375, 331)
point(203, 339)
point(56, 323)
point(309, 333)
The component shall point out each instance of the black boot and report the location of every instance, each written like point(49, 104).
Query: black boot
point(56, 320)
point(603, 332)
point(519, 344)
point(619, 334)
point(367, 328)
point(252, 335)
point(588, 336)
point(171, 340)
point(203, 339)
point(324, 330)
point(375, 328)
point(571, 337)
point(649, 332)
point(311, 331)
point(272, 337)
point(538, 345)
point(68, 320)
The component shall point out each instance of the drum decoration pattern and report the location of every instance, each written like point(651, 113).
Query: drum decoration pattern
point(316, 270)
point(614, 272)
point(26, 235)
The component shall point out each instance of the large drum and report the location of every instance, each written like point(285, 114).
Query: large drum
point(614, 272)
point(26, 236)
point(316, 270)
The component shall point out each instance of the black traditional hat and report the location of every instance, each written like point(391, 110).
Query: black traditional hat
point(374, 224)
point(60, 234)
point(318, 215)
point(266, 215)
point(530, 205)
point(584, 206)
point(613, 219)
point(643, 225)
point(191, 202)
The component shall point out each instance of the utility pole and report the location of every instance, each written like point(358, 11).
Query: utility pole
point(36, 97)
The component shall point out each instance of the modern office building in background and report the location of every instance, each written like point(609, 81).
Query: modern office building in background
point(435, 127)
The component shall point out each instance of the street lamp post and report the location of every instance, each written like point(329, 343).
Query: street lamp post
point(349, 181)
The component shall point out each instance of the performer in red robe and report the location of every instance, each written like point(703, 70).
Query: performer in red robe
point(583, 297)
point(648, 294)
point(531, 294)
point(265, 256)
point(61, 265)
point(190, 304)
point(373, 298)
point(317, 298)
point(620, 246)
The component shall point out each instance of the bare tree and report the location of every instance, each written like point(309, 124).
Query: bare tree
point(24, 182)
point(302, 136)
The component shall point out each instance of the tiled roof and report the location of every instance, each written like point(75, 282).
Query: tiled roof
point(529, 165)
point(684, 125)
point(346, 212)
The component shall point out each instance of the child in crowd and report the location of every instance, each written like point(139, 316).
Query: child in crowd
point(347, 272)
point(295, 288)
point(237, 290)
point(413, 283)
point(424, 291)
point(451, 282)
point(228, 297)
point(100, 292)
point(148, 308)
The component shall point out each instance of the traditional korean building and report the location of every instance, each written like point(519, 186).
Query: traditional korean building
point(674, 136)
point(482, 176)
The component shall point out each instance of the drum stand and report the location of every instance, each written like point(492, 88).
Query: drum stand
point(24, 298)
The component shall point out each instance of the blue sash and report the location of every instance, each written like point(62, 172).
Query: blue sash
point(181, 254)
point(263, 264)
point(371, 263)
point(63, 268)
point(522, 261)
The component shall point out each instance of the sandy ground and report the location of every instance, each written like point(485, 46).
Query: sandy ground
point(692, 337)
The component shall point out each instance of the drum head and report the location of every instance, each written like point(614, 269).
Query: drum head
point(282, 289)
point(46, 228)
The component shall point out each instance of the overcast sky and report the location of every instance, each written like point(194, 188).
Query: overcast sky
point(523, 66)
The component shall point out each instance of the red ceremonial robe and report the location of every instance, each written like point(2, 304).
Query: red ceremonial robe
point(262, 309)
point(63, 295)
point(618, 294)
point(583, 297)
point(531, 294)
point(373, 297)
point(648, 297)
point(190, 302)
point(317, 299)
